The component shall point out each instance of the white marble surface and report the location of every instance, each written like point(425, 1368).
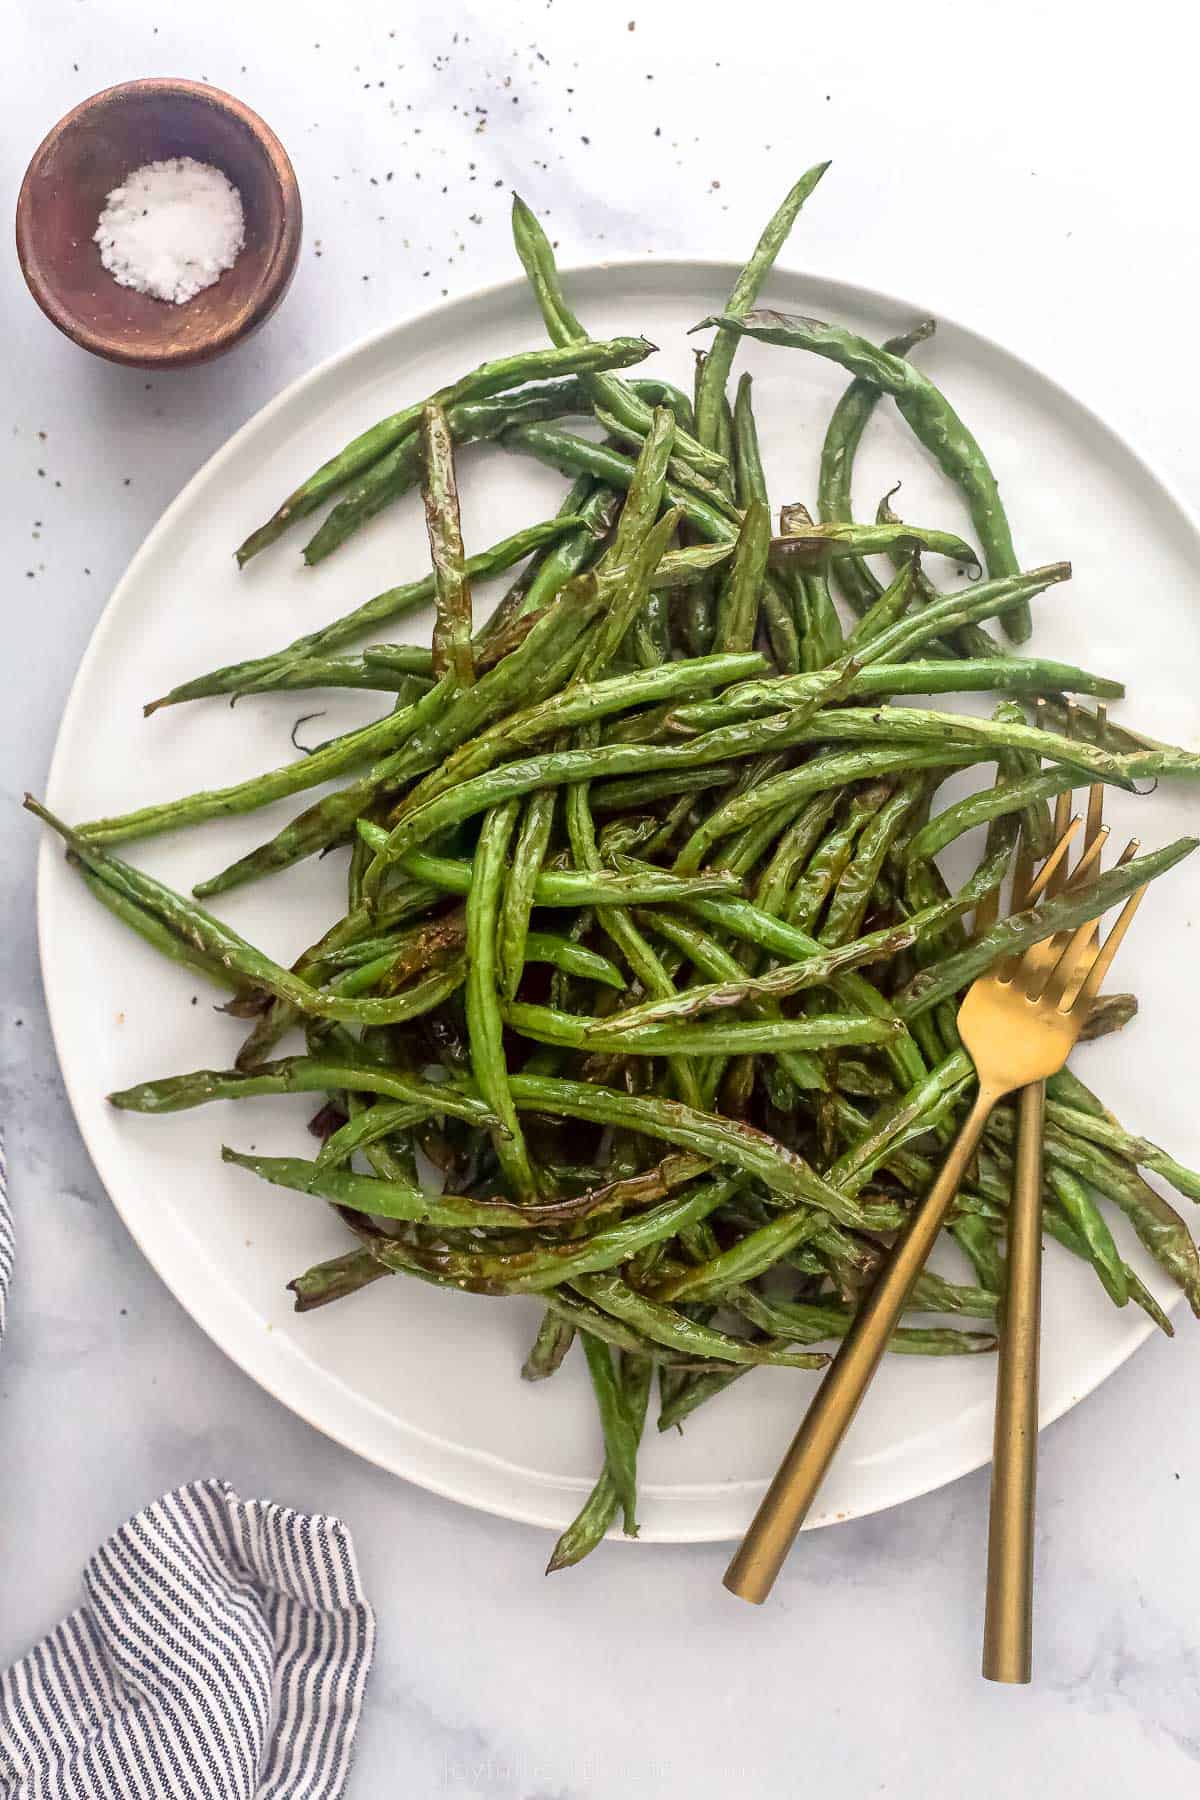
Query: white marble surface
point(1026, 169)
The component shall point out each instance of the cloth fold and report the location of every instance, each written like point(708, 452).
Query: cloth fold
point(221, 1653)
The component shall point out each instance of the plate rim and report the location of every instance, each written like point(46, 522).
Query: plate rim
point(260, 1368)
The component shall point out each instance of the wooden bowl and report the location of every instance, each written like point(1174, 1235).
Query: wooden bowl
point(88, 154)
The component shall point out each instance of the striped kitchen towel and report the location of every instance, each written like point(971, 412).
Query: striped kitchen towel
point(221, 1654)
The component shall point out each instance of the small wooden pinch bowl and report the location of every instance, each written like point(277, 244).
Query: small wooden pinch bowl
point(87, 154)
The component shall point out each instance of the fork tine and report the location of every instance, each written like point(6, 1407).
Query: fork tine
point(1062, 823)
point(1065, 833)
point(1095, 806)
point(1022, 873)
point(1027, 887)
point(1091, 854)
point(1065, 966)
point(1090, 986)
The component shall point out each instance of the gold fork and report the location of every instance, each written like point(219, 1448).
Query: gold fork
point(1008, 1617)
point(1018, 1023)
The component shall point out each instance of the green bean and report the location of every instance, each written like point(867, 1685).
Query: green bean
point(831, 857)
point(312, 966)
point(583, 887)
point(620, 1434)
point(1106, 1132)
point(737, 613)
point(750, 1257)
point(556, 768)
point(1025, 676)
point(334, 1279)
point(381, 1199)
point(1057, 1226)
point(381, 738)
point(1014, 935)
point(657, 392)
point(974, 1237)
point(812, 1323)
point(629, 603)
point(484, 1028)
point(301, 1075)
point(573, 1309)
point(680, 473)
point(750, 483)
point(573, 455)
point(798, 785)
point(1088, 1221)
point(200, 931)
point(236, 677)
point(1141, 1296)
point(694, 1390)
point(714, 373)
point(582, 702)
point(712, 959)
point(780, 626)
point(893, 603)
point(545, 658)
point(599, 1510)
point(930, 416)
point(529, 852)
point(489, 378)
point(616, 922)
point(549, 1348)
point(908, 1116)
point(851, 898)
point(645, 790)
point(407, 953)
point(945, 735)
point(722, 1140)
point(1158, 1226)
point(968, 640)
point(688, 1039)
point(985, 807)
point(816, 616)
point(809, 964)
point(365, 1129)
point(155, 933)
point(563, 327)
point(666, 1325)
point(815, 545)
point(370, 674)
point(452, 651)
point(401, 468)
point(842, 438)
point(545, 1266)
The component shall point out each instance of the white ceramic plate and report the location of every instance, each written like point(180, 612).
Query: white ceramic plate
point(427, 1384)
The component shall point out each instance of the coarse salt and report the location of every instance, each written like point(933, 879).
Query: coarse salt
point(171, 229)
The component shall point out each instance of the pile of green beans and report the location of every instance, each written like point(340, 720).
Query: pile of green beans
point(642, 999)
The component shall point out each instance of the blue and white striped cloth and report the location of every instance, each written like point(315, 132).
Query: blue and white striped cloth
point(221, 1653)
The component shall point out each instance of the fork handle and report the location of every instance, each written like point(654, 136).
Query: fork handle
point(1008, 1620)
point(760, 1556)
